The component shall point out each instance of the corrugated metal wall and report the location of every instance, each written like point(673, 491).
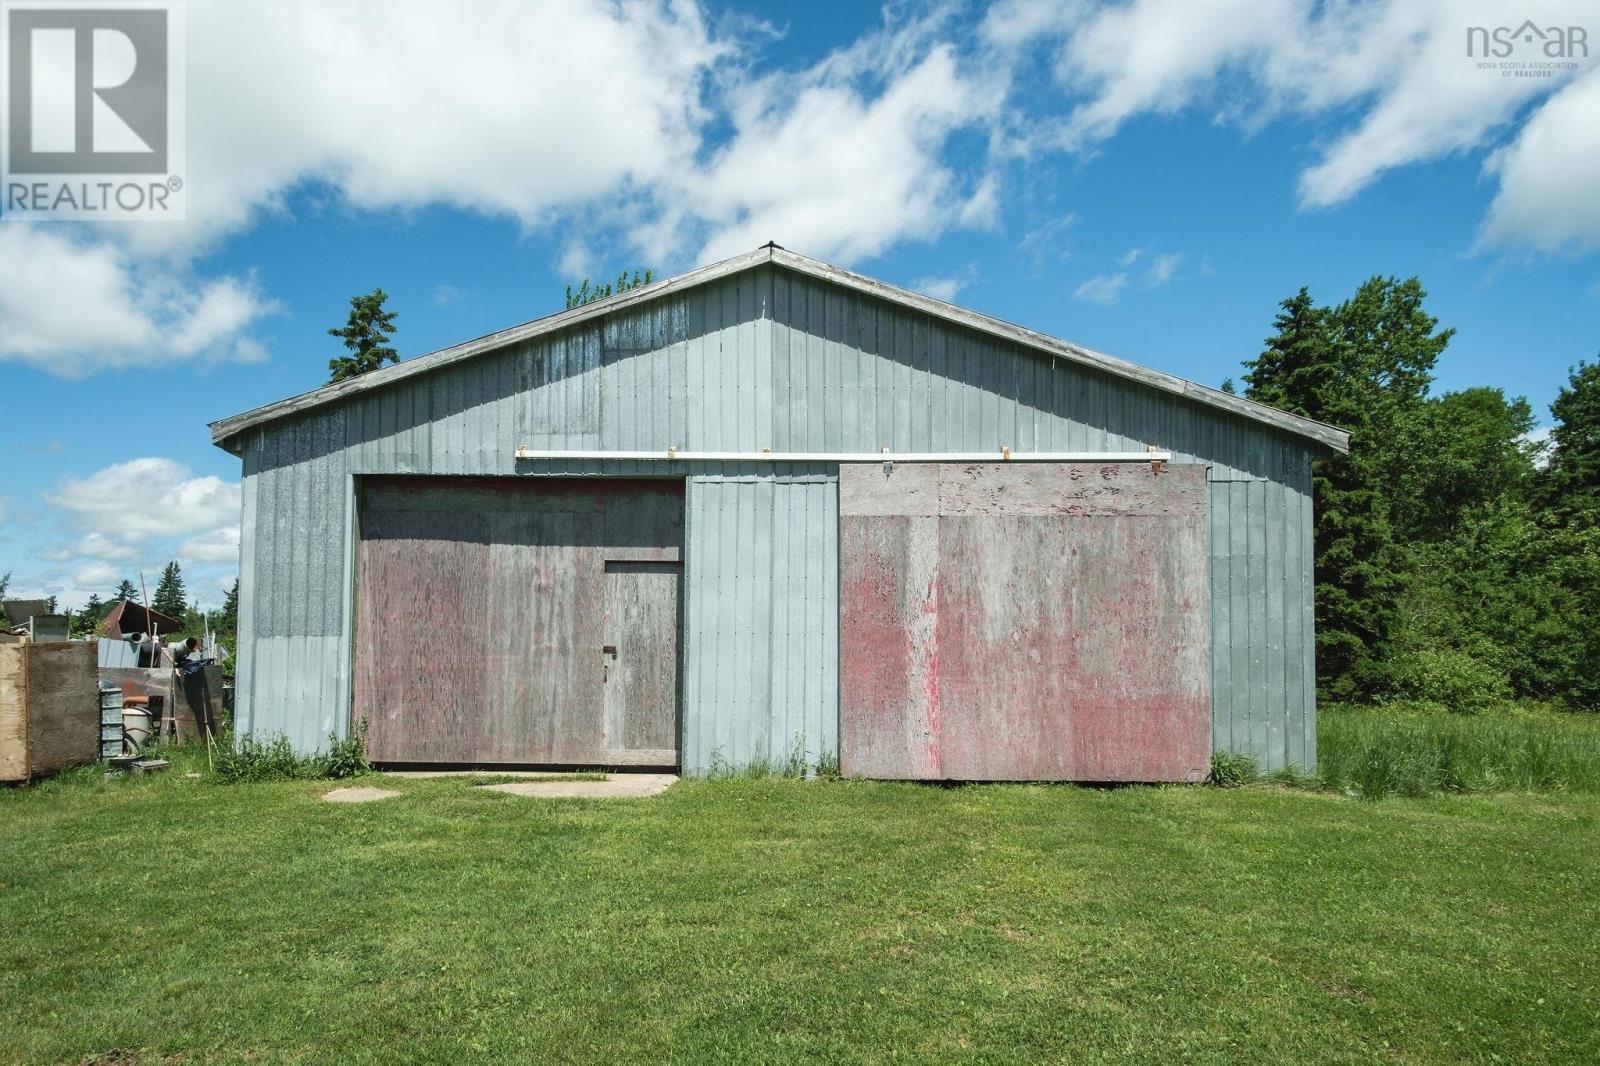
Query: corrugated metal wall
point(761, 616)
point(766, 358)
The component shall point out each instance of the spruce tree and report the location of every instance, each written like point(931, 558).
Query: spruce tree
point(170, 598)
point(366, 334)
point(87, 620)
point(1364, 366)
point(126, 591)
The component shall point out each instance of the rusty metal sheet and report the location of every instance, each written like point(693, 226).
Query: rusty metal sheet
point(1048, 622)
point(480, 611)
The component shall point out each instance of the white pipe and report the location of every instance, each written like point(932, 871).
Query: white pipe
point(1003, 455)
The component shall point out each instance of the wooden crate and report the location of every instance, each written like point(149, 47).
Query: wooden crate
point(49, 708)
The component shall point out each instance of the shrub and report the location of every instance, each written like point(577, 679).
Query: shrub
point(1449, 678)
point(1230, 769)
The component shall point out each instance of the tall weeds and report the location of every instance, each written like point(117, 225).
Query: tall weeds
point(1385, 751)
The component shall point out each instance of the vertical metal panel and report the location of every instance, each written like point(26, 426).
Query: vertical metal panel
point(761, 359)
point(760, 617)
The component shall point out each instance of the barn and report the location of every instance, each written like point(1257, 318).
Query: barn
point(774, 512)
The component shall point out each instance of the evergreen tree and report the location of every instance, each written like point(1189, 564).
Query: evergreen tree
point(366, 335)
point(171, 596)
point(1570, 482)
point(87, 620)
point(226, 624)
point(126, 591)
point(228, 616)
point(1364, 366)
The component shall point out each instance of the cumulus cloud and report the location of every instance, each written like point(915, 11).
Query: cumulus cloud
point(505, 107)
point(217, 546)
point(842, 170)
point(72, 307)
point(134, 517)
point(661, 131)
point(1549, 194)
point(1392, 75)
point(96, 575)
point(144, 498)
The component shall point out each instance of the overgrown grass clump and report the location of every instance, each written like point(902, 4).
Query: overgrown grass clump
point(1396, 751)
point(250, 758)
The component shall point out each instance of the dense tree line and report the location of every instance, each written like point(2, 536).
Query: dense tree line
point(1457, 559)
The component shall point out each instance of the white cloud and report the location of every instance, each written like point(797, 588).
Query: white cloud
point(134, 517)
point(640, 118)
point(1392, 74)
point(1102, 289)
point(835, 171)
point(145, 498)
point(217, 546)
point(1549, 194)
point(939, 288)
point(96, 576)
point(505, 107)
point(657, 131)
point(1163, 267)
point(71, 307)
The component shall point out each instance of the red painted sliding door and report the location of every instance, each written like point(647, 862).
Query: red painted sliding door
point(1015, 621)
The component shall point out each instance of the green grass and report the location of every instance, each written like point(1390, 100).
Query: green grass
point(786, 920)
point(1384, 751)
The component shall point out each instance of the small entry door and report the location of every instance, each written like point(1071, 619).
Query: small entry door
point(641, 663)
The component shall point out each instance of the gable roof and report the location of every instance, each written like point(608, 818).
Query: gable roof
point(225, 431)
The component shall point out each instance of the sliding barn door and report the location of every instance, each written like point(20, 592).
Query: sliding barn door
point(1024, 622)
point(482, 621)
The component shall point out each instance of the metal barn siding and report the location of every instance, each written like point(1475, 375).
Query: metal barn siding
point(765, 357)
point(762, 616)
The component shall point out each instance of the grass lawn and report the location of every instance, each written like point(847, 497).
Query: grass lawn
point(752, 920)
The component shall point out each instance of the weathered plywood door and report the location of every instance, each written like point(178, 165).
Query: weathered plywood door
point(641, 663)
point(481, 614)
point(1024, 622)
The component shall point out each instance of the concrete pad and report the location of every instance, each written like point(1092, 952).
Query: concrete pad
point(617, 786)
point(420, 775)
point(364, 794)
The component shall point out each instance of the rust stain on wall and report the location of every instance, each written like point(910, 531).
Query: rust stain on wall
point(1024, 622)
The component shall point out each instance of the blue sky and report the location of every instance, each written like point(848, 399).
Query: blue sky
point(1146, 178)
